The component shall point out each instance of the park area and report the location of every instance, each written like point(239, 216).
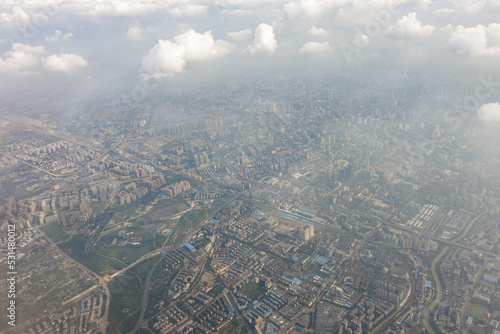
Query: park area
point(478, 312)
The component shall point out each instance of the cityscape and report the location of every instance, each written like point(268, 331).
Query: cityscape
point(357, 198)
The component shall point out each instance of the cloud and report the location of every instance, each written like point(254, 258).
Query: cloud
point(264, 41)
point(168, 58)
point(188, 10)
point(66, 62)
point(17, 14)
point(135, 34)
point(21, 58)
point(33, 9)
point(58, 36)
point(239, 35)
point(243, 3)
point(476, 41)
point(409, 26)
point(310, 11)
point(315, 48)
point(318, 32)
point(444, 11)
point(489, 112)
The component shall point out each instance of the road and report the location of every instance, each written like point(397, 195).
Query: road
point(407, 304)
point(429, 308)
point(427, 313)
point(202, 266)
point(40, 169)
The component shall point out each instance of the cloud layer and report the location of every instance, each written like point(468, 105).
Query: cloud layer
point(161, 38)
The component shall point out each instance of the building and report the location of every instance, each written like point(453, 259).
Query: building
point(306, 233)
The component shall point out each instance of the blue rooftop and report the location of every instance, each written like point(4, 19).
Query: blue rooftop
point(490, 278)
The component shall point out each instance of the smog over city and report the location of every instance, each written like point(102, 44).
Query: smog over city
point(261, 166)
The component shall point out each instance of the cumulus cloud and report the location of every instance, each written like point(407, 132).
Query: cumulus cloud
point(264, 41)
point(21, 58)
point(168, 58)
point(489, 112)
point(66, 62)
point(317, 32)
point(239, 35)
point(135, 34)
point(476, 41)
point(315, 48)
point(59, 36)
point(409, 26)
point(17, 14)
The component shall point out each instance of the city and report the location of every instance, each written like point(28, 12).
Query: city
point(268, 215)
point(268, 167)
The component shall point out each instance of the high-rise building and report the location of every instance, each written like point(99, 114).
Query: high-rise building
point(306, 233)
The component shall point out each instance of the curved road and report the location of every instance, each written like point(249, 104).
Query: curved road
point(146, 285)
point(429, 309)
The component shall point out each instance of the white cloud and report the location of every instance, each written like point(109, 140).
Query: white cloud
point(243, 3)
point(444, 11)
point(19, 18)
point(167, 58)
point(188, 10)
point(311, 11)
point(264, 41)
point(493, 34)
point(315, 48)
point(409, 26)
point(318, 32)
point(58, 36)
point(361, 13)
point(33, 9)
point(489, 112)
point(21, 58)
point(66, 62)
point(111, 8)
point(239, 35)
point(135, 34)
point(476, 41)
point(16, 15)
point(470, 6)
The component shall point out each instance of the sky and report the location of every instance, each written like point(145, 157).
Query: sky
point(48, 44)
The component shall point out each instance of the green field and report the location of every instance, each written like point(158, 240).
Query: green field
point(477, 312)
point(215, 291)
point(251, 290)
point(398, 271)
point(75, 248)
point(55, 232)
point(126, 296)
